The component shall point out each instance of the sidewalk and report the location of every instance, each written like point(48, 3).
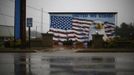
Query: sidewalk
point(105, 50)
point(16, 50)
point(77, 50)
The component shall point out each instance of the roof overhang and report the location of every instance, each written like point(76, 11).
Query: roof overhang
point(82, 12)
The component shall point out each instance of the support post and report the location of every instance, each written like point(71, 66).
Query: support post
point(23, 24)
point(29, 31)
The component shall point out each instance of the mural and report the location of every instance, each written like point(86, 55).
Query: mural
point(81, 26)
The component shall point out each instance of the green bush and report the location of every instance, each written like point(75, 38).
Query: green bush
point(118, 42)
point(1, 44)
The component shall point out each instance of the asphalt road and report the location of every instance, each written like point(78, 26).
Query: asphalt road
point(66, 63)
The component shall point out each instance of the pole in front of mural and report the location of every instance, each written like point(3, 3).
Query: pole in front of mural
point(20, 21)
point(23, 23)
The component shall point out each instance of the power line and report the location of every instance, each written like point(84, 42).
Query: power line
point(30, 7)
point(33, 8)
point(39, 22)
point(13, 17)
point(36, 9)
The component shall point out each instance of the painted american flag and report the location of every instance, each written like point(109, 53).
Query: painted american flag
point(69, 28)
point(109, 29)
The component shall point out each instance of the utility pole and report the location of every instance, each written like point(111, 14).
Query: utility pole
point(29, 38)
point(23, 23)
point(41, 20)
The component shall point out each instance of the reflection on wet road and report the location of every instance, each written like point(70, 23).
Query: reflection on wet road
point(62, 63)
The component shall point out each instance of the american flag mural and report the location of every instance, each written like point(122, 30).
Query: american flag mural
point(78, 28)
point(68, 28)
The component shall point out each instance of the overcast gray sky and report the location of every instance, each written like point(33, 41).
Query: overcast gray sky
point(125, 9)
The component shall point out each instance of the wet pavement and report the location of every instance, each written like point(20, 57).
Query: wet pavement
point(66, 63)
